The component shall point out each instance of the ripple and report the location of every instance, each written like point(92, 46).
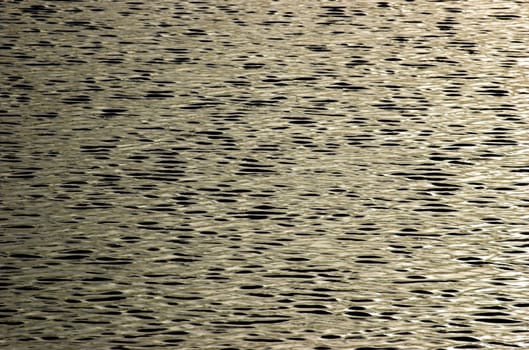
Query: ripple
point(225, 175)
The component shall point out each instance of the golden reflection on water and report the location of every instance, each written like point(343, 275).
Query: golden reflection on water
point(279, 175)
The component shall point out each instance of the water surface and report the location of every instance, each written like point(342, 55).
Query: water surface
point(264, 175)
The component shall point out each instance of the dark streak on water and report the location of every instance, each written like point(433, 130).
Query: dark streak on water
point(264, 175)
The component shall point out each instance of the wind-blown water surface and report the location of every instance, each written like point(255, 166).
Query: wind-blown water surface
point(264, 175)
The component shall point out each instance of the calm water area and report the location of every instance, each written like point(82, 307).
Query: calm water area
point(247, 175)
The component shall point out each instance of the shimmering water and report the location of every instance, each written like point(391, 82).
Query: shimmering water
point(264, 175)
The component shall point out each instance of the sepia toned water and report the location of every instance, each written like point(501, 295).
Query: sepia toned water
point(264, 175)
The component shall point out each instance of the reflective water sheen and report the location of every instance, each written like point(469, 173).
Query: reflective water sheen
point(264, 175)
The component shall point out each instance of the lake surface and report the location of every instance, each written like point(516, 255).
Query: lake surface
point(264, 175)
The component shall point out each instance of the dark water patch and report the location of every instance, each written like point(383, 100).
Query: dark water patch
point(159, 94)
point(254, 65)
point(342, 85)
point(77, 99)
point(112, 112)
point(498, 320)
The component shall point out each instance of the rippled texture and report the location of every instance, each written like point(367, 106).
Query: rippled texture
point(264, 175)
